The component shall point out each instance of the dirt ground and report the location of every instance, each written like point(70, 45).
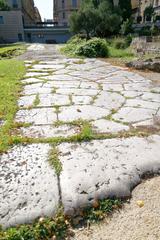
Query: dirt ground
point(132, 222)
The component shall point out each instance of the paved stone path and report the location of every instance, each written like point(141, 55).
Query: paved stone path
point(59, 96)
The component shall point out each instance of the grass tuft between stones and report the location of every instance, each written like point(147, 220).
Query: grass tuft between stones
point(54, 161)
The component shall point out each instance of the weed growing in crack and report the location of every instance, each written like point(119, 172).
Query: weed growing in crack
point(79, 61)
point(36, 101)
point(54, 161)
point(44, 228)
point(100, 209)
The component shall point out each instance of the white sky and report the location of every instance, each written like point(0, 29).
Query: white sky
point(45, 7)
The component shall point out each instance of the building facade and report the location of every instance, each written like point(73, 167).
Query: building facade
point(139, 7)
point(12, 22)
point(62, 10)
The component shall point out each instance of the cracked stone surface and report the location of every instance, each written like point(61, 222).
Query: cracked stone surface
point(105, 168)
point(85, 112)
point(106, 126)
point(28, 185)
point(36, 116)
point(133, 114)
point(57, 91)
point(49, 131)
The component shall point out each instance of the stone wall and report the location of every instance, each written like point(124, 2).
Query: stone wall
point(143, 45)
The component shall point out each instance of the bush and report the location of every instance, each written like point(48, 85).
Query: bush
point(119, 43)
point(128, 40)
point(93, 48)
point(77, 39)
point(155, 30)
point(127, 27)
point(145, 31)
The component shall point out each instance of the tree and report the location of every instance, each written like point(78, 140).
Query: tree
point(85, 19)
point(96, 18)
point(110, 19)
point(127, 27)
point(148, 13)
point(4, 6)
point(126, 8)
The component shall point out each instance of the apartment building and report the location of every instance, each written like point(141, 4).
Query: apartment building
point(139, 7)
point(62, 10)
point(12, 22)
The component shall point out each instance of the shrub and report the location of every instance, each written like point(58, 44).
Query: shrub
point(155, 30)
point(127, 27)
point(128, 40)
point(119, 43)
point(145, 31)
point(77, 39)
point(93, 48)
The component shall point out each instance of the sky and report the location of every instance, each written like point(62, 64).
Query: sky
point(45, 7)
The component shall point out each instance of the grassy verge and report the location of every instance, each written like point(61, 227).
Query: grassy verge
point(11, 71)
point(9, 51)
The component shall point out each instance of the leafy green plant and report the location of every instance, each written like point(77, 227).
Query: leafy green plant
point(127, 27)
point(42, 229)
point(93, 48)
point(4, 6)
point(100, 209)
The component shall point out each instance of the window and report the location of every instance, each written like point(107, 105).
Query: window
point(1, 20)
point(14, 4)
point(64, 15)
point(63, 4)
point(74, 3)
point(157, 3)
point(20, 37)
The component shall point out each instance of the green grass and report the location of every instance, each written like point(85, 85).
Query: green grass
point(120, 53)
point(9, 51)
point(36, 101)
point(54, 161)
point(11, 71)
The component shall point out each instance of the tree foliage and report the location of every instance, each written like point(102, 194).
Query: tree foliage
point(126, 8)
point(4, 6)
point(96, 18)
point(148, 13)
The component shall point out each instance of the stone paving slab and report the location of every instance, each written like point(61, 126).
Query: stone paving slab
point(37, 88)
point(34, 74)
point(109, 100)
point(28, 185)
point(106, 126)
point(37, 116)
point(47, 100)
point(86, 112)
point(132, 114)
point(105, 168)
point(49, 131)
point(32, 80)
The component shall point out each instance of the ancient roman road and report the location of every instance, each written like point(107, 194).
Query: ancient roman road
point(116, 110)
